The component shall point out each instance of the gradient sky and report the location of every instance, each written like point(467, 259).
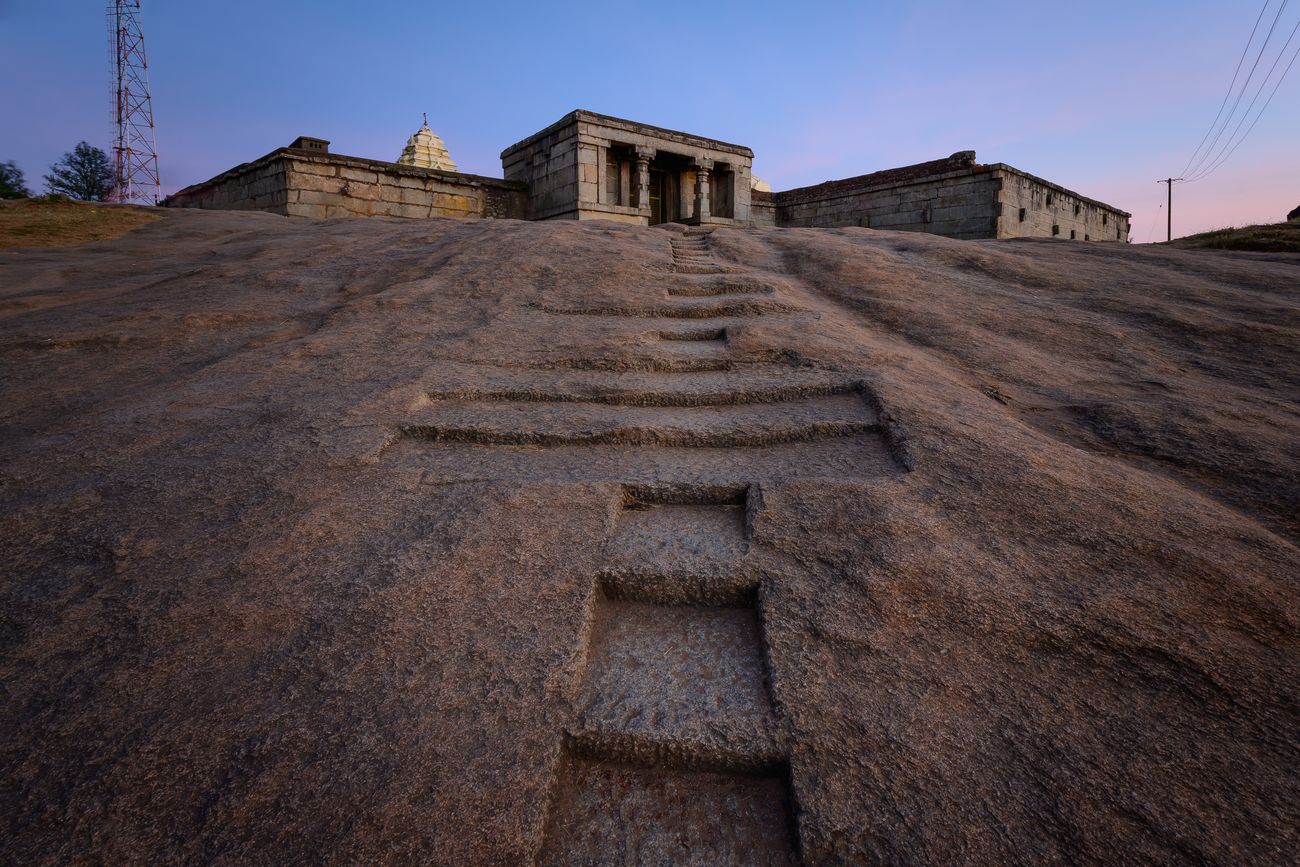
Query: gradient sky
point(1102, 99)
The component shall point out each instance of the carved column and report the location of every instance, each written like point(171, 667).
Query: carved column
point(643, 157)
point(703, 168)
point(602, 183)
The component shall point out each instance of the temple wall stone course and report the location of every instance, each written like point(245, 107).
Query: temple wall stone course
point(762, 210)
point(1047, 206)
point(957, 198)
point(549, 170)
point(323, 185)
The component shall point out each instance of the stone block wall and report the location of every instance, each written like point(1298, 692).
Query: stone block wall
point(299, 183)
point(548, 165)
point(255, 186)
point(565, 172)
point(957, 198)
point(348, 187)
point(1034, 208)
point(762, 209)
point(961, 204)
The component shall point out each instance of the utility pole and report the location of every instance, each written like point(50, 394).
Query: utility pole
point(1169, 211)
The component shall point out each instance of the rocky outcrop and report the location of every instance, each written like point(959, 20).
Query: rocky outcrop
point(506, 542)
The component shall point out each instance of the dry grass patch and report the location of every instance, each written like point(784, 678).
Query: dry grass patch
point(1275, 238)
point(43, 223)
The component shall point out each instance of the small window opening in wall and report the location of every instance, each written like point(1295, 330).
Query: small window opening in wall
point(1077, 209)
point(1087, 237)
point(1022, 215)
point(1072, 235)
point(1117, 234)
point(1056, 230)
point(1104, 218)
point(1049, 198)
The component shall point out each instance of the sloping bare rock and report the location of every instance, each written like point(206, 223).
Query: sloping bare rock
point(316, 536)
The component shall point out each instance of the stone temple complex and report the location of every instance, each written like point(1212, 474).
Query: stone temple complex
point(590, 166)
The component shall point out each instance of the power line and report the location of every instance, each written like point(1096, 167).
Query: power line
point(1223, 159)
point(1231, 85)
point(1232, 146)
point(1237, 102)
point(1244, 86)
point(1263, 84)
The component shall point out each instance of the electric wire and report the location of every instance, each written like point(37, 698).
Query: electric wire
point(1151, 234)
point(1231, 85)
point(1234, 142)
point(1196, 166)
point(1224, 158)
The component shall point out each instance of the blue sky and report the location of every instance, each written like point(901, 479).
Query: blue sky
point(1102, 99)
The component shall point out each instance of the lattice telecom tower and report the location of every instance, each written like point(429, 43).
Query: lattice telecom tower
point(135, 152)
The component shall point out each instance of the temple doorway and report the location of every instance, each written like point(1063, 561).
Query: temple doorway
point(658, 183)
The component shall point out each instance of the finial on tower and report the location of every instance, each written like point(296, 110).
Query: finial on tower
point(426, 117)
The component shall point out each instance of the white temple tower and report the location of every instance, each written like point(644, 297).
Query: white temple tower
point(425, 150)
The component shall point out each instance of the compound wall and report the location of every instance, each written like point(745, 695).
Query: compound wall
point(957, 198)
point(960, 204)
point(301, 184)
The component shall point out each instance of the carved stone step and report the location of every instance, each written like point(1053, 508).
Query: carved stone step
point(758, 384)
point(838, 458)
point(533, 423)
point(677, 685)
point(607, 813)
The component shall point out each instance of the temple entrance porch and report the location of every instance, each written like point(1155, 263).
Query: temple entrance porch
point(595, 167)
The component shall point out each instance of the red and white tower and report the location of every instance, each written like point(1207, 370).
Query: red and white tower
point(135, 151)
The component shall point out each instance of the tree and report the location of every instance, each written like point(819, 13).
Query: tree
point(11, 182)
point(83, 174)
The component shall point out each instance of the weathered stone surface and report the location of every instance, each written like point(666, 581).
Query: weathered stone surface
point(320, 197)
point(417, 196)
point(314, 167)
point(412, 183)
point(351, 539)
point(355, 175)
point(370, 192)
point(322, 185)
point(955, 197)
point(316, 183)
point(453, 202)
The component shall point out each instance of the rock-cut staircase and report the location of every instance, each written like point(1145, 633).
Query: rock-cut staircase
point(676, 751)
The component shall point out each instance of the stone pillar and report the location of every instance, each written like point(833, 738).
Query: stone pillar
point(703, 168)
point(643, 157)
point(602, 182)
point(588, 174)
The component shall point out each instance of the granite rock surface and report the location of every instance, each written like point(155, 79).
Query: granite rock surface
point(370, 541)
